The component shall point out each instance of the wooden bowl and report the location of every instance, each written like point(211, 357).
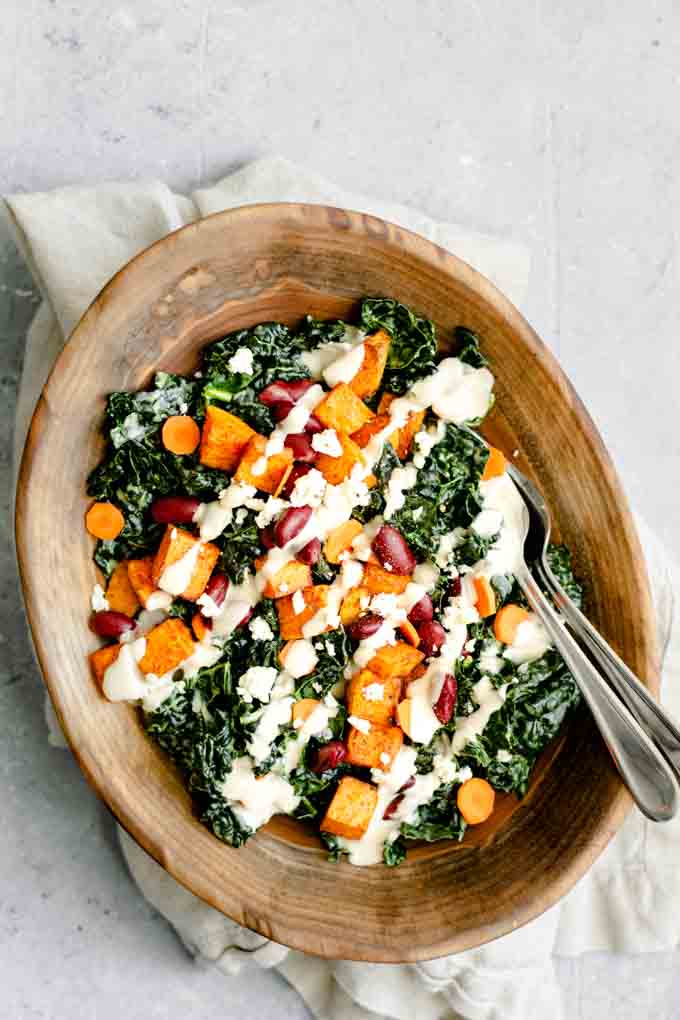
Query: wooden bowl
point(264, 262)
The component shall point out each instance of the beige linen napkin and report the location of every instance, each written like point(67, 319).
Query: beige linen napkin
point(74, 241)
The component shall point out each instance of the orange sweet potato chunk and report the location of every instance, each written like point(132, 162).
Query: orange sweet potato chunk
point(290, 622)
point(395, 660)
point(139, 574)
point(404, 436)
point(175, 544)
point(364, 749)
point(167, 645)
point(342, 410)
point(352, 604)
point(378, 580)
point(340, 539)
point(120, 594)
point(291, 577)
point(223, 439)
point(349, 813)
point(363, 436)
point(336, 469)
point(380, 711)
point(367, 380)
point(275, 469)
point(101, 660)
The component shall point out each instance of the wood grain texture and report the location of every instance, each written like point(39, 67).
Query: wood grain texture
point(280, 262)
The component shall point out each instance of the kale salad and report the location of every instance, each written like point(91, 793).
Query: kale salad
point(308, 555)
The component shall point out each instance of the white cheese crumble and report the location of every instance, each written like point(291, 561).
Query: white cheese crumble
point(301, 659)
point(241, 361)
point(260, 629)
point(531, 642)
point(327, 442)
point(257, 682)
point(299, 603)
point(309, 489)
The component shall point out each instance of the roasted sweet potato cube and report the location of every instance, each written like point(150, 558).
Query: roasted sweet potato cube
point(223, 439)
point(200, 626)
point(369, 697)
point(395, 660)
point(365, 749)
point(101, 660)
point(342, 410)
point(363, 436)
point(120, 594)
point(273, 469)
point(336, 469)
point(290, 622)
point(167, 645)
point(139, 575)
point(352, 604)
point(291, 577)
point(349, 813)
point(404, 436)
point(378, 580)
point(176, 544)
point(367, 379)
point(340, 539)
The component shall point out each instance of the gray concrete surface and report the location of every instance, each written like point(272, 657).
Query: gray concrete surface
point(551, 122)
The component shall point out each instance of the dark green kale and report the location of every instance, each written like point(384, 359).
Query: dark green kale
point(312, 333)
point(239, 546)
point(136, 416)
point(276, 355)
point(438, 819)
point(559, 560)
point(467, 347)
point(413, 351)
point(332, 651)
point(394, 853)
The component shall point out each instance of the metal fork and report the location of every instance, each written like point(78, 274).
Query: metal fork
point(641, 765)
point(660, 726)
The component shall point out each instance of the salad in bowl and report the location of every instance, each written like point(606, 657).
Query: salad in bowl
point(309, 556)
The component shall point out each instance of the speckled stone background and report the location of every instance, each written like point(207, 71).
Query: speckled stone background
point(552, 122)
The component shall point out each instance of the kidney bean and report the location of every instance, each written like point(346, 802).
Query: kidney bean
point(393, 551)
point(446, 702)
point(455, 587)
point(267, 537)
point(281, 409)
point(108, 623)
point(364, 626)
point(314, 425)
point(217, 587)
point(422, 612)
point(281, 391)
point(432, 636)
point(301, 446)
point(290, 523)
point(310, 553)
point(328, 756)
point(298, 471)
point(391, 808)
point(174, 509)
point(411, 781)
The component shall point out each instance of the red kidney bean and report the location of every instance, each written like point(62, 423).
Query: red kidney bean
point(298, 471)
point(108, 623)
point(446, 702)
point(455, 587)
point(290, 523)
point(391, 808)
point(422, 612)
point(411, 781)
point(281, 409)
point(432, 636)
point(314, 425)
point(280, 391)
point(364, 626)
point(393, 551)
point(267, 537)
point(310, 553)
point(301, 446)
point(246, 618)
point(217, 587)
point(328, 756)
point(174, 509)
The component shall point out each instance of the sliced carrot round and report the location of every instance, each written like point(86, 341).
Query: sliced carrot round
point(104, 520)
point(303, 709)
point(475, 800)
point(180, 434)
point(507, 621)
point(495, 464)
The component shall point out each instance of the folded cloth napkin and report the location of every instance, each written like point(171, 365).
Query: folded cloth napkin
point(75, 239)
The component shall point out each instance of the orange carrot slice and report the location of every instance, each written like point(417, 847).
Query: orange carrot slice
point(105, 521)
point(475, 800)
point(507, 621)
point(495, 464)
point(180, 434)
point(486, 597)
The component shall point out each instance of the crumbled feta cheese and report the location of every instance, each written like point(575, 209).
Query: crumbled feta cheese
point(301, 658)
point(260, 629)
point(208, 606)
point(257, 682)
point(240, 515)
point(183, 407)
point(384, 604)
point(374, 692)
point(363, 725)
point(503, 755)
point(309, 489)
point(330, 649)
point(99, 601)
point(241, 361)
point(299, 603)
point(272, 509)
point(327, 442)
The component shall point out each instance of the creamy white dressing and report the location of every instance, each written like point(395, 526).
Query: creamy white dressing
point(328, 616)
point(255, 799)
point(176, 577)
point(98, 600)
point(158, 600)
point(344, 368)
point(214, 517)
point(301, 658)
point(123, 679)
point(531, 642)
point(294, 422)
point(400, 481)
point(327, 442)
point(317, 361)
point(470, 726)
point(276, 714)
point(505, 555)
point(313, 726)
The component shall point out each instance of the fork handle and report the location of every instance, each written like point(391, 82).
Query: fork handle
point(661, 727)
point(641, 765)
